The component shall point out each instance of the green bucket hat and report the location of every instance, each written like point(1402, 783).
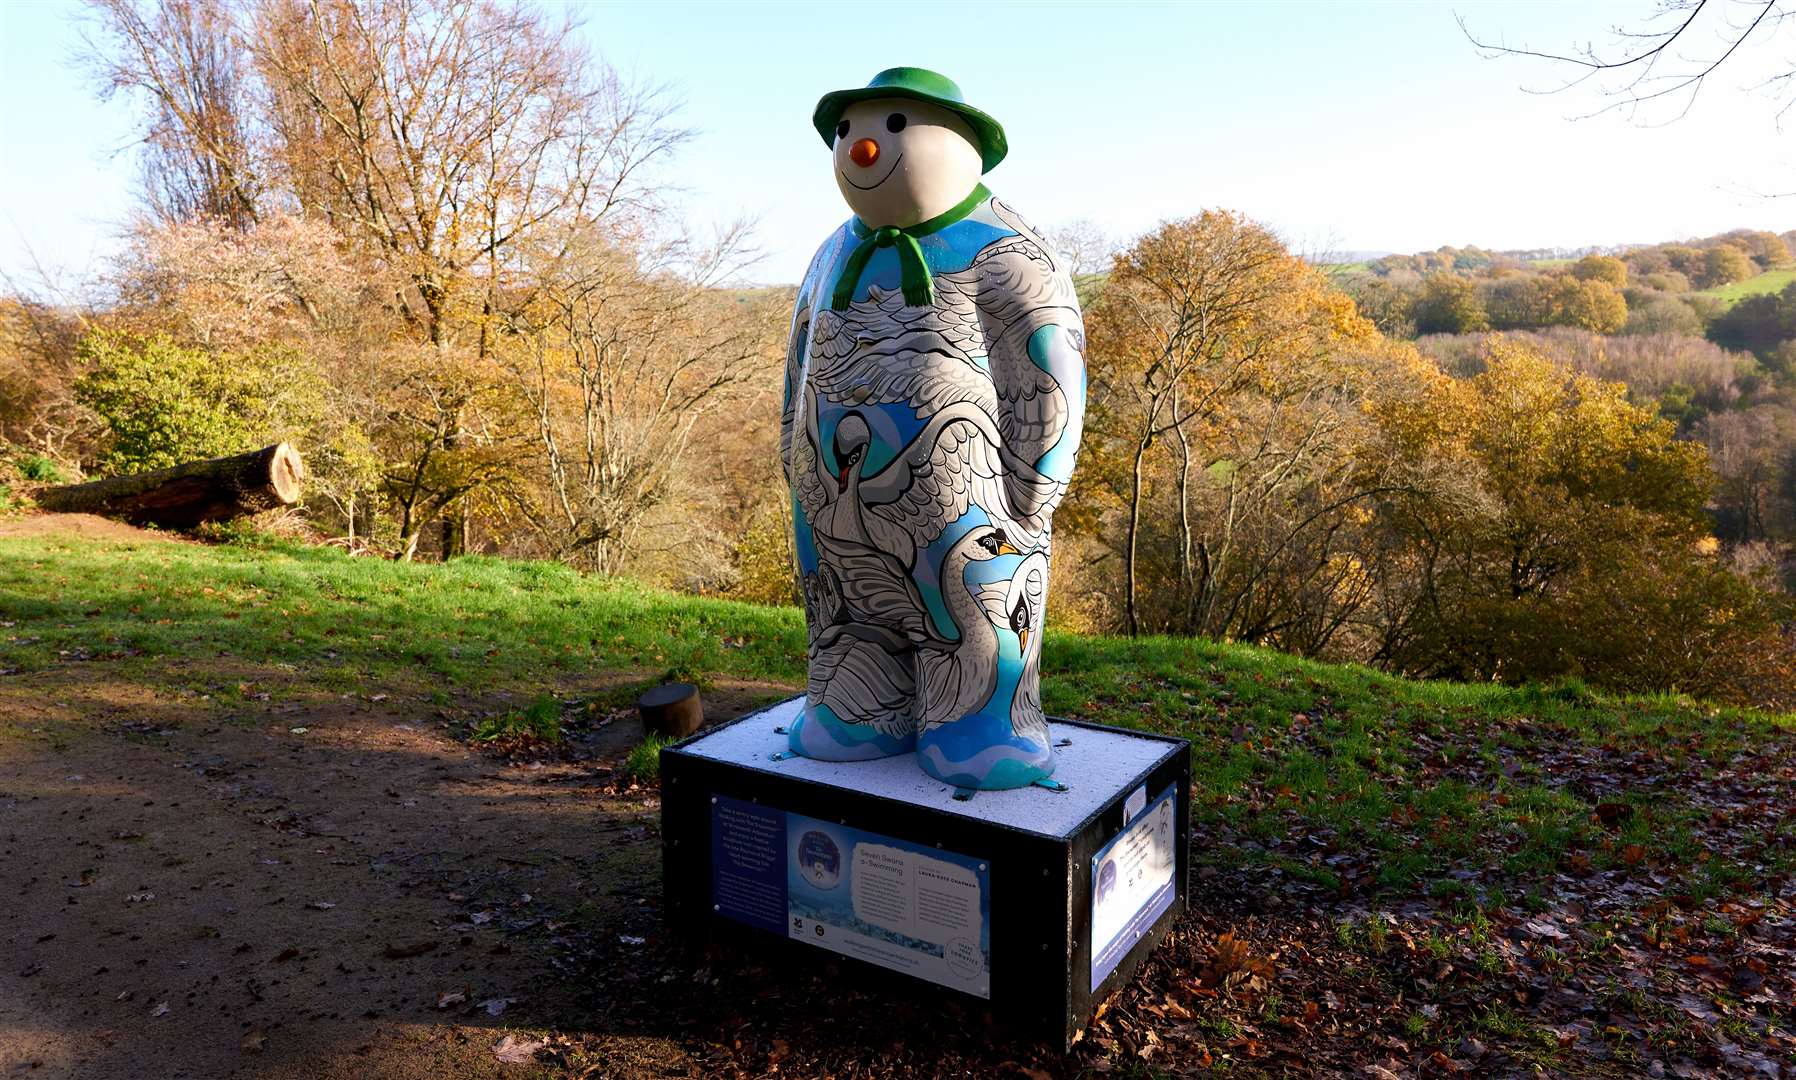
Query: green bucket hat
point(918, 84)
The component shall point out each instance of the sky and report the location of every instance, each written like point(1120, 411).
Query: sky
point(1344, 126)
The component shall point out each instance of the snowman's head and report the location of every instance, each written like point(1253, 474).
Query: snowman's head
point(900, 161)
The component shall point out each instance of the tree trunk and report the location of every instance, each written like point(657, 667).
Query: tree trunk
point(1134, 532)
point(452, 531)
point(186, 495)
point(365, 516)
point(1185, 572)
point(454, 525)
point(672, 711)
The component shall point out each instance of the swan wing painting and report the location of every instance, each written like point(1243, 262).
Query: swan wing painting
point(865, 675)
point(958, 463)
point(884, 352)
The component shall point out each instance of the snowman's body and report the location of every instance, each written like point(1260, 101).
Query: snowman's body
point(927, 445)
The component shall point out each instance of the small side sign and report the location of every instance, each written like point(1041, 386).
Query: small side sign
point(748, 863)
point(1132, 884)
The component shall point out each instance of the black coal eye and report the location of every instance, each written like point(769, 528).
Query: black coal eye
point(842, 130)
point(895, 122)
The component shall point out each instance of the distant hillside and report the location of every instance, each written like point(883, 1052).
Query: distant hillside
point(1769, 248)
point(1686, 287)
point(1771, 281)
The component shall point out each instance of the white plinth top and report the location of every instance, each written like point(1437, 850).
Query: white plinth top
point(1096, 768)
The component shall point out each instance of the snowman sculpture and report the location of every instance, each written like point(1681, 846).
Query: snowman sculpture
point(934, 395)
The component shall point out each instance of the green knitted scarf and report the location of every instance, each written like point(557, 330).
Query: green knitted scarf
point(918, 283)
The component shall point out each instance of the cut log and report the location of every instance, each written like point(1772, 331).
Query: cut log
point(671, 711)
point(183, 496)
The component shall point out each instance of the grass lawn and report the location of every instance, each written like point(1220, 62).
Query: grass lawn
point(1490, 877)
point(1768, 282)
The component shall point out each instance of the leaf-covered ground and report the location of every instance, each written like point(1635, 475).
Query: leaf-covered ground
point(1393, 878)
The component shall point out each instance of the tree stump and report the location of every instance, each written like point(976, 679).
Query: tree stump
point(671, 711)
point(189, 494)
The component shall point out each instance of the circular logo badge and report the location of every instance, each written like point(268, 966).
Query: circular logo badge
point(819, 860)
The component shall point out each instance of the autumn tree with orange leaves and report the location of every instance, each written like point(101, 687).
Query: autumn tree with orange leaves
point(1228, 383)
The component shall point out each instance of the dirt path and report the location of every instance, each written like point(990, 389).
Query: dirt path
point(78, 526)
point(337, 889)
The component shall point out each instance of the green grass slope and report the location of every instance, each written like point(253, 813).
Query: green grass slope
point(1768, 282)
point(1277, 740)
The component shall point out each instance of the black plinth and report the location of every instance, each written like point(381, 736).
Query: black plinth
point(1035, 903)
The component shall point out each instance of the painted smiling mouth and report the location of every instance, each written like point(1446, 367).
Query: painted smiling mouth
point(881, 180)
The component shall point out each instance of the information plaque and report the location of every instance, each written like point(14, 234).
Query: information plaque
point(876, 898)
point(1131, 883)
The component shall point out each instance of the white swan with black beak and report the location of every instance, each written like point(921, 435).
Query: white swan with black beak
point(958, 677)
point(1021, 604)
point(881, 616)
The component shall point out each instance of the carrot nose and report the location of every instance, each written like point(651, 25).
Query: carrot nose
point(864, 153)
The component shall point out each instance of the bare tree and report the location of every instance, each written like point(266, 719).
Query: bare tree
point(184, 59)
point(493, 186)
point(1085, 244)
point(462, 144)
point(38, 408)
point(1750, 450)
point(1212, 342)
point(461, 141)
point(1671, 53)
point(620, 361)
point(1176, 321)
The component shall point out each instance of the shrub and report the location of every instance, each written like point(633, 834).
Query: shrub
point(1593, 305)
point(1646, 261)
point(1567, 534)
point(1758, 323)
point(1521, 302)
point(1449, 304)
point(1601, 268)
point(1677, 619)
point(1668, 281)
point(40, 469)
point(1685, 260)
point(1725, 264)
point(763, 556)
point(1389, 304)
point(164, 403)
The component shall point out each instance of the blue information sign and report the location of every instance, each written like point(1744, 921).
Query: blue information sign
point(900, 905)
point(1132, 882)
point(748, 863)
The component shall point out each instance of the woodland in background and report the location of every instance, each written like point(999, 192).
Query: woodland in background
point(424, 241)
point(1263, 464)
point(1702, 332)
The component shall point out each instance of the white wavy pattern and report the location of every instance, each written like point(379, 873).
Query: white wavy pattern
point(981, 764)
